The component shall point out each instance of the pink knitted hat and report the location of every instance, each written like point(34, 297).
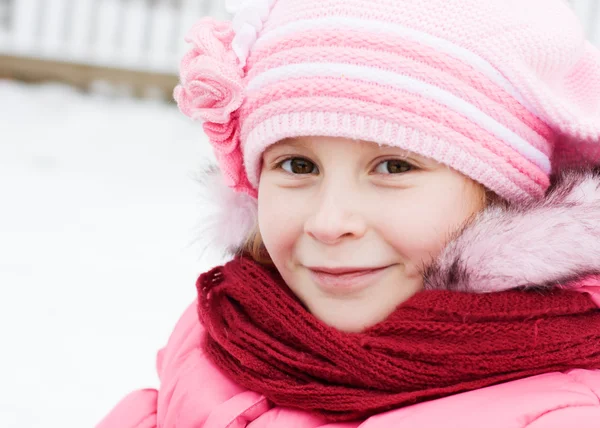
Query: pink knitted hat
point(504, 91)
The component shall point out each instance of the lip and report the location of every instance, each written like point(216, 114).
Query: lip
point(346, 280)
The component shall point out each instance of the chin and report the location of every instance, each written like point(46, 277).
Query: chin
point(348, 318)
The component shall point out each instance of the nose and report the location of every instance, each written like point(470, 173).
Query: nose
point(336, 215)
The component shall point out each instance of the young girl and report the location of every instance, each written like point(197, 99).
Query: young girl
point(415, 223)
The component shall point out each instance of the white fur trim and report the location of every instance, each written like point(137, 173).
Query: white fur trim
point(230, 217)
point(543, 243)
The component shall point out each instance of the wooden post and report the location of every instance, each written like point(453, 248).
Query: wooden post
point(81, 75)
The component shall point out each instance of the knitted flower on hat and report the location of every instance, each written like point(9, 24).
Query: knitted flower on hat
point(211, 90)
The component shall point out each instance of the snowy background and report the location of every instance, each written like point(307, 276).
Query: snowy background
point(98, 219)
point(100, 210)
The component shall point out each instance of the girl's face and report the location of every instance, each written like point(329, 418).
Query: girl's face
point(350, 225)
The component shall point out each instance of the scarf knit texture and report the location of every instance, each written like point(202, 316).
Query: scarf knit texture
point(437, 343)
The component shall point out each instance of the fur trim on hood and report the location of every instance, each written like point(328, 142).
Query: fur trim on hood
point(554, 241)
point(229, 217)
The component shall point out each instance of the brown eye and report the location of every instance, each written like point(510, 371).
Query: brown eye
point(299, 166)
point(393, 166)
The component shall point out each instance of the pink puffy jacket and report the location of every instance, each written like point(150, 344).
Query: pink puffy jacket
point(195, 394)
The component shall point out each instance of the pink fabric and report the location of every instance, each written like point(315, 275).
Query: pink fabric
point(422, 63)
point(520, 67)
point(427, 117)
point(273, 50)
point(342, 121)
point(211, 90)
point(297, 88)
point(193, 393)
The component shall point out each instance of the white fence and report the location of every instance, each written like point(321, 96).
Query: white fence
point(142, 35)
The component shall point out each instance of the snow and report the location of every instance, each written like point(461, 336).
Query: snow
point(99, 247)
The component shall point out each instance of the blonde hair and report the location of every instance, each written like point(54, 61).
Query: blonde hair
point(255, 246)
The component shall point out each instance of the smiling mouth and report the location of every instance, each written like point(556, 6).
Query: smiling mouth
point(346, 280)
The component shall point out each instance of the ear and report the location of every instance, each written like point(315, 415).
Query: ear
point(231, 215)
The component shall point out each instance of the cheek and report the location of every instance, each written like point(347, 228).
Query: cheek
point(279, 224)
point(419, 228)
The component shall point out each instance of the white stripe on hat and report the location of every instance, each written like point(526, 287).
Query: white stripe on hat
point(381, 27)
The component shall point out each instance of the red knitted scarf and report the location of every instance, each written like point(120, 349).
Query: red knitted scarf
point(436, 344)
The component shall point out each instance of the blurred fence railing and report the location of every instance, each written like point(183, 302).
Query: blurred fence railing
point(589, 13)
point(145, 35)
point(135, 38)
point(139, 42)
